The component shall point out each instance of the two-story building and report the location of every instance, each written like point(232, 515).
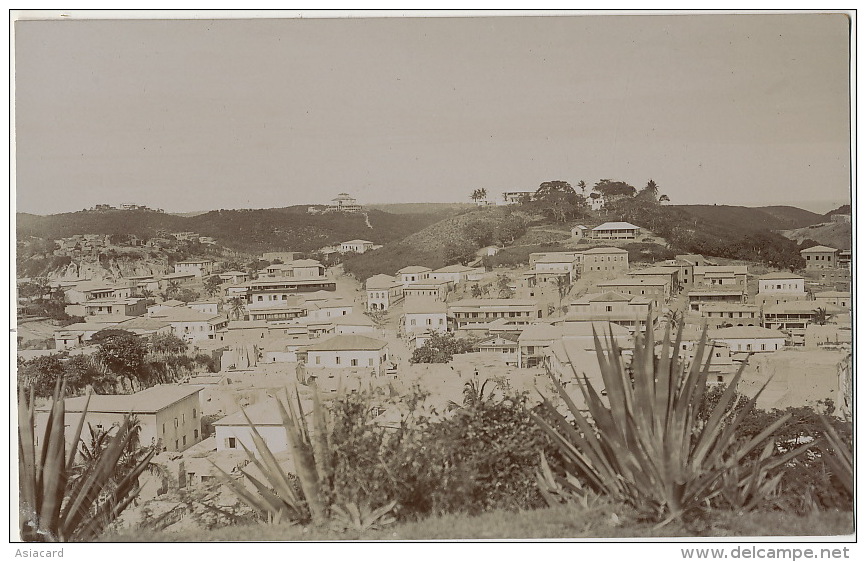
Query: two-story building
point(754, 339)
point(656, 289)
point(421, 317)
point(432, 288)
point(721, 315)
point(169, 415)
point(793, 317)
point(820, 257)
point(669, 272)
point(476, 314)
point(626, 310)
point(348, 351)
point(720, 277)
point(457, 273)
point(780, 287)
point(199, 268)
point(503, 345)
point(607, 261)
point(121, 307)
point(383, 291)
point(842, 299)
point(281, 288)
point(549, 265)
point(700, 297)
point(357, 246)
point(413, 273)
point(191, 325)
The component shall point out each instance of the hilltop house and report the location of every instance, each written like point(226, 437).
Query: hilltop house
point(357, 246)
point(579, 231)
point(344, 203)
point(820, 257)
point(514, 197)
point(169, 415)
point(199, 268)
point(383, 291)
point(615, 231)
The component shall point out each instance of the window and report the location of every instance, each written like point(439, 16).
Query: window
point(231, 443)
point(195, 433)
point(163, 428)
point(176, 445)
point(338, 360)
point(318, 360)
point(184, 440)
point(183, 418)
point(370, 362)
point(354, 362)
point(175, 422)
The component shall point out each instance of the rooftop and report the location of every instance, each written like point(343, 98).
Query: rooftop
point(348, 343)
point(605, 250)
point(625, 281)
point(819, 249)
point(609, 296)
point(381, 281)
point(414, 269)
point(616, 226)
point(481, 303)
point(362, 242)
point(184, 314)
point(142, 323)
point(420, 305)
point(456, 268)
point(151, 400)
point(780, 275)
point(745, 332)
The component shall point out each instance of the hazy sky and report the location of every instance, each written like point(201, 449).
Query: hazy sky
point(195, 115)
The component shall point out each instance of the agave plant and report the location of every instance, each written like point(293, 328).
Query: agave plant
point(362, 519)
point(277, 497)
point(644, 444)
point(839, 457)
point(58, 500)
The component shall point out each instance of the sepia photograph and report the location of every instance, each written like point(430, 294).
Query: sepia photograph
point(401, 277)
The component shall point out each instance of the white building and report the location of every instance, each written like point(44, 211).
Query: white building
point(383, 291)
point(199, 268)
point(615, 231)
point(169, 415)
point(780, 282)
point(357, 246)
point(457, 273)
point(233, 432)
point(344, 203)
point(191, 325)
point(414, 273)
point(422, 315)
point(749, 338)
point(348, 351)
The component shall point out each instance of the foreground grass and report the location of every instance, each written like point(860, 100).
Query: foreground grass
point(562, 522)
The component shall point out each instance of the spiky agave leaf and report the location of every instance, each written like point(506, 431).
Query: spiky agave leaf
point(645, 446)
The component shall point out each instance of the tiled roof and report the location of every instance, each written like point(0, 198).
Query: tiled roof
point(348, 343)
point(414, 269)
point(151, 400)
point(616, 226)
point(745, 332)
point(381, 281)
point(819, 249)
point(605, 250)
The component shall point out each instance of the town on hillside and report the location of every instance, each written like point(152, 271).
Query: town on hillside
point(200, 350)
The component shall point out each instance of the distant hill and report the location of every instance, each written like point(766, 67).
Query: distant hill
point(425, 247)
point(751, 219)
point(250, 230)
point(425, 208)
point(843, 210)
point(833, 234)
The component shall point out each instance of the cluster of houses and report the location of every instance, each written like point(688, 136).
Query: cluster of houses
point(290, 318)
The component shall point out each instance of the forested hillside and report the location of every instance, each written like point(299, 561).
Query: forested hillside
point(249, 230)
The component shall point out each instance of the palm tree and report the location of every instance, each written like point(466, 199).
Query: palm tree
point(172, 289)
point(563, 287)
point(664, 199)
point(237, 308)
point(821, 317)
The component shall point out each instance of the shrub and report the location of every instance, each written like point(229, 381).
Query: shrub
point(644, 444)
